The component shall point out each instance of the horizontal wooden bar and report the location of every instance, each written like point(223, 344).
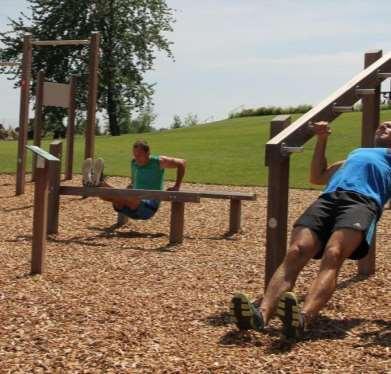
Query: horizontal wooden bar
point(9, 63)
point(191, 196)
point(141, 194)
point(40, 152)
point(44, 43)
point(299, 131)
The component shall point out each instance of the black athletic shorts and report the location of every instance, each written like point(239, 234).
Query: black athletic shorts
point(342, 209)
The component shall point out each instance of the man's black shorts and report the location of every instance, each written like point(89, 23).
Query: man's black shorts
point(342, 209)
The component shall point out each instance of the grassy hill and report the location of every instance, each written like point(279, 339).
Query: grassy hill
point(229, 152)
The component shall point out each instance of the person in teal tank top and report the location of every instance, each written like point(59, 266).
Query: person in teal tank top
point(147, 173)
point(340, 224)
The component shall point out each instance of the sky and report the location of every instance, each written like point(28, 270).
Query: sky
point(235, 54)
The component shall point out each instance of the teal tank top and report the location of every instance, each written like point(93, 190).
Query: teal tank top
point(149, 176)
point(366, 171)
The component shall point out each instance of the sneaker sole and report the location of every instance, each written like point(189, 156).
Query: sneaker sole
point(289, 312)
point(242, 313)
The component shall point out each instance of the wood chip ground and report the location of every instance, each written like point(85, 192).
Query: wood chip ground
point(122, 301)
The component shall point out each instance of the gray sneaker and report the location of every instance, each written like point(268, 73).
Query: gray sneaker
point(97, 174)
point(87, 172)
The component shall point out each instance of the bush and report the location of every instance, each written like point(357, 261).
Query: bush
point(271, 110)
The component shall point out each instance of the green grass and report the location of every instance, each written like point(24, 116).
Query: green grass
point(229, 152)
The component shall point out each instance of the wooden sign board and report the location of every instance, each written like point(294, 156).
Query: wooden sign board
point(56, 94)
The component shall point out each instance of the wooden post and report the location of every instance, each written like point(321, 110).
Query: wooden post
point(40, 216)
point(54, 188)
point(277, 201)
point(71, 129)
point(370, 122)
point(23, 114)
point(235, 211)
point(38, 117)
point(92, 96)
point(177, 222)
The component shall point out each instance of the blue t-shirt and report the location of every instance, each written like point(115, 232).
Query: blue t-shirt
point(366, 171)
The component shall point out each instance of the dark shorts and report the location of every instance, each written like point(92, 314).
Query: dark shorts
point(342, 209)
point(145, 210)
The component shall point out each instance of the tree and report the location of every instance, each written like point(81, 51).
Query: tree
point(132, 31)
point(176, 122)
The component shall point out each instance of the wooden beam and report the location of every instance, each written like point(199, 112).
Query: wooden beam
point(235, 212)
point(70, 136)
point(54, 187)
point(38, 118)
point(370, 122)
point(89, 149)
point(300, 132)
point(277, 204)
point(24, 114)
point(53, 43)
point(177, 222)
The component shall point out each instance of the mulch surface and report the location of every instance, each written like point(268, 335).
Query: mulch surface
point(122, 301)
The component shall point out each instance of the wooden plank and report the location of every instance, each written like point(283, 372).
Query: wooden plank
point(56, 94)
point(235, 211)
point(40, 152)
point(89, 149)
point(40, 218)
point(277, 207)
point(38, 118)
point(299, 131)
point(177, 222)
point(370, 122)
point(45, 43)
point(70, 136)
point(24, 114)
point(161, 195)
point(54, 187)
point(141, 194)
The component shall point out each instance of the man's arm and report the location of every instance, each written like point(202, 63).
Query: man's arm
point(172, 163)
point(320, 171)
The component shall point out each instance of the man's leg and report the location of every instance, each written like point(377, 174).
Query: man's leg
point(342, 243)
point(304, 245)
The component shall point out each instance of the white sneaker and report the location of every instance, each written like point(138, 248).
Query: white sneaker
point(97, 174)
point(87, 172)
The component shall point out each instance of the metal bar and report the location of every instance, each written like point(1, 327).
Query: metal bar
point(24, 114)
point(383, 75)
point(365, 91)
point(343, 109)
point(285, 150)
point(92, 96)
point(44, 43)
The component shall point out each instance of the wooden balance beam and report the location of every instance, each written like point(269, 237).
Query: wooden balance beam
point(177, 199)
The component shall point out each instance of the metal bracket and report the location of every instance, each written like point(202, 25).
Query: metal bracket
point(286, 151)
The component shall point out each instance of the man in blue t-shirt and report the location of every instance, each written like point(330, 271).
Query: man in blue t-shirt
point(147, 174)
point(340, 224)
